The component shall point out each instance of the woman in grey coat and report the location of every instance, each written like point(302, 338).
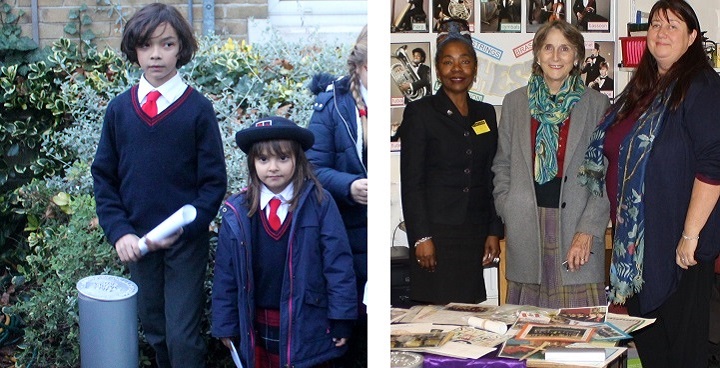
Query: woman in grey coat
point(554, 227)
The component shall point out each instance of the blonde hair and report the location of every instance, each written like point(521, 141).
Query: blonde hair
point(357, 60)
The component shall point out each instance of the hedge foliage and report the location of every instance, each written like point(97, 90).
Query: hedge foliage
point(51, 120)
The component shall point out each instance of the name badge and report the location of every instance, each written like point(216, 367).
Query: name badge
point(480, 127)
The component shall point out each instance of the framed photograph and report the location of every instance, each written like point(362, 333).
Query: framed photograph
point(597, 68)
point(586, 315)
point(500, 16)
point(591, 15)
point(410, 72)
point(410, 16)
point(444, 9)
point(532, 331)
point(609, 332)
point(542, 11)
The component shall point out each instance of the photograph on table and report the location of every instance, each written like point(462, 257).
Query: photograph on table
point(523, 349)
point(500, 16)
point(410, 16)
point(542, 11)
point(582, 316)
point(591, 15)
point(609, 332)
point(410, 72)
point(446, 9)
point(597, 68)
point(533, 331)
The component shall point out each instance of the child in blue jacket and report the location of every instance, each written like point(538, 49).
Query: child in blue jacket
point(284, 286)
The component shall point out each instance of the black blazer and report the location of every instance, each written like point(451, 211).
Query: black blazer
point(445, 166)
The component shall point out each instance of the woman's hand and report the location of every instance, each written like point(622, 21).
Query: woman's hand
point(425, 254)
point(685, 252)
point(339, 341)
point(358, 191)
point(492, 250)
point(579, 252)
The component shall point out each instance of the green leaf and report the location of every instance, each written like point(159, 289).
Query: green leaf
point(88, 35)
point(70, 29)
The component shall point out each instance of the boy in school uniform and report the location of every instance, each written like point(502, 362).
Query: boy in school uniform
point(160, 149)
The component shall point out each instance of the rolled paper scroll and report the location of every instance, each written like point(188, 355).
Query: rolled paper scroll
point(488, 325)
point(180, 218)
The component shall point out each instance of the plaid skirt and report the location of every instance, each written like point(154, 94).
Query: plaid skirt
point(551, 293)
point(267, 346)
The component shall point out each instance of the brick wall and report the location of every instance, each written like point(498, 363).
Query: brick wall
point(231, 17)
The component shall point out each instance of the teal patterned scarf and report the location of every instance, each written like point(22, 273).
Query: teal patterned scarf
point(550, 112)
point(626, 268)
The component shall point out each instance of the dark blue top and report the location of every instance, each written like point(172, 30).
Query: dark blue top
point(687, 147)
point(146, 168)
point(269, 250)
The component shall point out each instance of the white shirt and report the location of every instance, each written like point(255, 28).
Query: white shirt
point(170, 91)
point(285, 197)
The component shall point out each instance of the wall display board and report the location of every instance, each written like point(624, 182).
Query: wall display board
point(502, 33)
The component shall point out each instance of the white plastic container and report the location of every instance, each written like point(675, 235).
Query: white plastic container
point(108, 322)
point(405, 359)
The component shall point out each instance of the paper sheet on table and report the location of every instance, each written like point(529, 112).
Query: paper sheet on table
point(488, 325)
point(235, 356)
point(466, 342)
point(180, 218)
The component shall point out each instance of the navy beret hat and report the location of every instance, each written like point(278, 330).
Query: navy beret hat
point(272, 128)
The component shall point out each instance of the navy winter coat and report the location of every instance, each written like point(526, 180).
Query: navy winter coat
point(318, 284)
point(337, 159)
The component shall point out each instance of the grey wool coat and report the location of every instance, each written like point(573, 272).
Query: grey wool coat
point(515, 199)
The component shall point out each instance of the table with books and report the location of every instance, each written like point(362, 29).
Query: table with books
point(460, 335)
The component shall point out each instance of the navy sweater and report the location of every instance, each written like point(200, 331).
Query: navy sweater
point(146, 168)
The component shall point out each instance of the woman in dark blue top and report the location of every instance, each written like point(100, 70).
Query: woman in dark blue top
point(662, 142)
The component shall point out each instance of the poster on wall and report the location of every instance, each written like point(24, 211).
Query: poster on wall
point(504, 64)
point(500, 16)
point(591, 15)
point(543, 11)
point(410, 16)
point(597, 70)
point(396, 115)
point(410, 72)
point(444, 9)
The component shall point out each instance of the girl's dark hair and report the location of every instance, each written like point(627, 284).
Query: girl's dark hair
point(303, 171)
point(451, 30)
point(142, 24)
point(571, 33)
point(647, 82)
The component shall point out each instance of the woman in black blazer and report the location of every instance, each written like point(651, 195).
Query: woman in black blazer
point(448, 145)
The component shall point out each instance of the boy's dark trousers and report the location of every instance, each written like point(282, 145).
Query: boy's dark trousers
point(171, 300)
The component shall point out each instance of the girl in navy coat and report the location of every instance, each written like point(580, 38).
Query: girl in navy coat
point(284, 286)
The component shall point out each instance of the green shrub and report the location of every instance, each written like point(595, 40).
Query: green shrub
point(62, 242)
point(68, 246)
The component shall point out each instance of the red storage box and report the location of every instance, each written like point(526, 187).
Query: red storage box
point(632, 50)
